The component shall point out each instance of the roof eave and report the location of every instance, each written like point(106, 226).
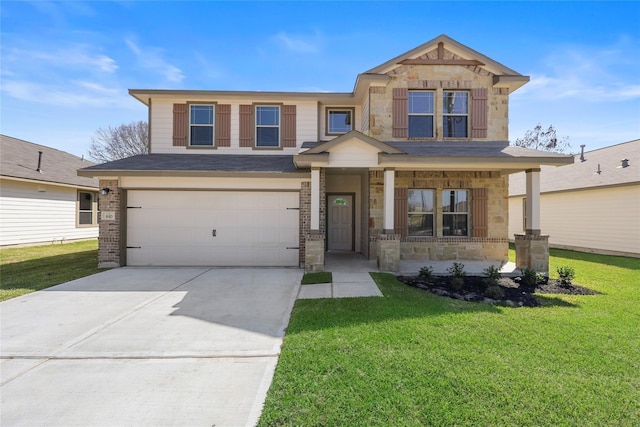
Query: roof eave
point(190, 173)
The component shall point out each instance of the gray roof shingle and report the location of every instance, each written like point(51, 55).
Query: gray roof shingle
point(19, 159)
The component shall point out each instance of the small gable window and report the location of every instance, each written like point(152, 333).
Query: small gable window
point(201, 125)
point(455, 114)
point(267, 126)
point(339, 121)
point(421, 109)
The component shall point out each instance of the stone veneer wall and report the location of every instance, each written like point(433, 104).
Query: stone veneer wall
point(109, 231)
point(438, 78)
point(532, 251)
point(492, 248)
point(305, 213)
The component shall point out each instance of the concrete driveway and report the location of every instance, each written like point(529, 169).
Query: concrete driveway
point(145, 347)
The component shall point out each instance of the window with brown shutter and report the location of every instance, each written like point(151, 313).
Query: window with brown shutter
point(223, 125)
point(479, 113)
point(288, 125)
point(400, 116)
point(180, 116)
point(480, 212)
point(246, 126)
point(400, 214)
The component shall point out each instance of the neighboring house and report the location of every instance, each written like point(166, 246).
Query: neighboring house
point(592, 205)
point(411, 165)
point(42, 198)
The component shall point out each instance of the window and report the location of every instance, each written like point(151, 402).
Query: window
point(339, 121)
point(455, 213)
point(267, 126)
point(421, 212)
point(455, 114)
point(421, 106)
point(87, 208)
point(201, 125)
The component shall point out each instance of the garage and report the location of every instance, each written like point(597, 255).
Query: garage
point(212, 228)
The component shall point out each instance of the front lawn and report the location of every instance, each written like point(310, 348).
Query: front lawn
point(414, 358)
point(29, 269)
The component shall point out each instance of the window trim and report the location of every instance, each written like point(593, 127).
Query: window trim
point(255, 126)
point(432, 115)
point(467, 213)
point(328, 110)
point(467, 115)
point(94, 209)
point(213, 142)
point(433, 214)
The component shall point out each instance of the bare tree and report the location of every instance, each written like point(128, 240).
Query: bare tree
point(545, 140)
point(120, 142)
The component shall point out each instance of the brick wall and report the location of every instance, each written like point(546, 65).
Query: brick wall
point(305, 212)
point(109, 231)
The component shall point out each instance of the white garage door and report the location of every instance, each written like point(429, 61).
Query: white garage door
point(212, 228)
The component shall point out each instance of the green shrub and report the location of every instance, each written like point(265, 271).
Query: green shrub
point(457, 270)
point(492, 274)
point(426, 273)
point(566, 274)
point(494, 292)
point(529, 277)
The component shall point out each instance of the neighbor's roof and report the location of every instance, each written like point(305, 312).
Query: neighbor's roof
point(169, 164)
point(20, 161)
point(583, 174)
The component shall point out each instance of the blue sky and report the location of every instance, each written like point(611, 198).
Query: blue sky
point(66, 66)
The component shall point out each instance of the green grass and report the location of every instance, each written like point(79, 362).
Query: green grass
point(316, 277)
point(414, 359)
point(29, 269)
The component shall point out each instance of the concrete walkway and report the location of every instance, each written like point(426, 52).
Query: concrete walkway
point(145, 347)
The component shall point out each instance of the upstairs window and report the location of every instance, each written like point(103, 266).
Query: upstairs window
point(267, 126)
point(421, 212)
point(201, 125)
point(455, 114)
point(339, 121)
point(455, 213)
point(421, 108)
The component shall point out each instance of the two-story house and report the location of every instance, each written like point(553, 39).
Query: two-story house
point(411, 165)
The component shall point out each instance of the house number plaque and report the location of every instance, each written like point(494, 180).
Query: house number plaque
point(108, 215)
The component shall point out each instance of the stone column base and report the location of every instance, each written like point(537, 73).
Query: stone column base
point(388, 250)
point(532, 251)
point(314, 252)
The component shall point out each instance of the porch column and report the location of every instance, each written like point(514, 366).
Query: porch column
point(532, 248)
point(389, 182)
point(315, 200)
point(532, 226)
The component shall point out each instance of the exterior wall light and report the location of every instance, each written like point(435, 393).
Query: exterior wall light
point(105, 191)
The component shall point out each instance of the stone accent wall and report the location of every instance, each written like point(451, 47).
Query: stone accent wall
point(314, 252)
point(454, 248)
point(109, 231)
point(305, 213)
point(388, 248)
point(439, 78)
point(532, 251)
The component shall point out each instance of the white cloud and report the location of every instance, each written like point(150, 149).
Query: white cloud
point(80, 94)
point(299, 43)
point(152, 59)
point(75, 56)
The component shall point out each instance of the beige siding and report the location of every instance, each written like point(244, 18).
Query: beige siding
point(162, 125)
point(212, 183)
point(39, 213)
point(595, 220)
point(364, 114)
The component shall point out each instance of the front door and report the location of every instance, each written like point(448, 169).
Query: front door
point(340, 222)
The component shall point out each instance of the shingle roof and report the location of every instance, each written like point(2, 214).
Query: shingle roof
point(583, 174)
point(19, 159)
point(200, 163)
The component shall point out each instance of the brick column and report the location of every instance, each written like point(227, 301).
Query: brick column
point(314, 252)
point(109, 226)
point(388, 247)
point(532, 251)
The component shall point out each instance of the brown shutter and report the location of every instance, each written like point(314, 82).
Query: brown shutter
point(400, 112)
point(401, 212)
point(180, 117)
point(223, 125)
point(479, 113)
point(246, 126)
point(479, 212)
point(288, 125)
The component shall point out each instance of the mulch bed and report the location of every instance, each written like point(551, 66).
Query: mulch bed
point(474, 289)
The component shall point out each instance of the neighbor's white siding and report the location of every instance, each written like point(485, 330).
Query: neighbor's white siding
point(39, 213)
point(162, 126)
point(597, 220)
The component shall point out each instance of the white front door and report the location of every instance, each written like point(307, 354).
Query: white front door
point(212, 228)
point(340, 222)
